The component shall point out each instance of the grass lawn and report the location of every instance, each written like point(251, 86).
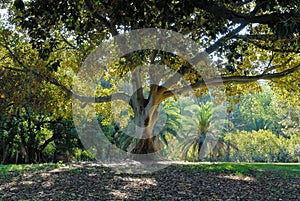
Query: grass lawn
point(285, 169)
point(5, 169)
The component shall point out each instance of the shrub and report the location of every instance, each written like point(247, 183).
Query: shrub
point(259, 146)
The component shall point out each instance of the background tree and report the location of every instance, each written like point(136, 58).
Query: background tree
point(261, 146)
point(266, 110)
point(262, 110)
point(262, 121)
point(35, 117)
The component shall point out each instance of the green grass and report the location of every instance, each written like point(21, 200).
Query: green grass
point(5, 169)
point(284, 169)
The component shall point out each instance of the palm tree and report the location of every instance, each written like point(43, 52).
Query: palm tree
point(201, 131)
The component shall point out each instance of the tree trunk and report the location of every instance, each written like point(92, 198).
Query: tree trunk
point(145, 115)
point(200, 143)
point(201, 140)
point(145, 144)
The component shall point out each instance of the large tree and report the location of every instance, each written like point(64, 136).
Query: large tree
point(252, 40)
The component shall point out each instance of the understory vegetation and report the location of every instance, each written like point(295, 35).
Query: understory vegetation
point(270, 133)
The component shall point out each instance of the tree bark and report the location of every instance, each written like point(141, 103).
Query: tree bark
point(144, 146)
point(200, 143)
point(145, 121)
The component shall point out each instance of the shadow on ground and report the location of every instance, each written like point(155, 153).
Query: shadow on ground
point(92, 181)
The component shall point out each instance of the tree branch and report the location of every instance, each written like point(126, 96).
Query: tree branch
point(221, 11)
point(255, 37)
point(282, 50)
point(268, 69)
point(230, 79)
point(14, 57)
point(117, 96)
point(219, 42)
point(236, 17)
point(176, 77)
point(247, 79)
point(100, 99)
point(67, 42)
point(91, 7)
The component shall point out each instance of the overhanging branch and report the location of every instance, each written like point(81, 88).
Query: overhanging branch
point(92, 7)
point(247, 37)
point(237, 17)
point(274, 49)
point(219, 42)
point(89, 99)
point(218, 81)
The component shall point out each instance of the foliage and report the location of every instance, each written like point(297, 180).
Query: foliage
point(265, 110)
point(30, 137)
point(25, 168)
point(261, 146)
point(44, 44)
point(258, 111)
point(202, 127)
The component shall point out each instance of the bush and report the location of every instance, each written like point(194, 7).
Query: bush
point(259, 146)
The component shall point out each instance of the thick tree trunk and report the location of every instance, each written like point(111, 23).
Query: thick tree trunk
point(145, 114)
point(145, 144)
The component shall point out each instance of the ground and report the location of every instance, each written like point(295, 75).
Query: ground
point(93, 181)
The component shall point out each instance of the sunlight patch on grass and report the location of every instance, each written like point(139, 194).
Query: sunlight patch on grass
point(285, 169)
point(23, 168)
